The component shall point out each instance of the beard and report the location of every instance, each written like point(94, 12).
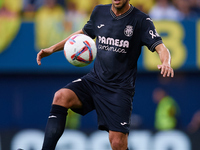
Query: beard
point(120, 7)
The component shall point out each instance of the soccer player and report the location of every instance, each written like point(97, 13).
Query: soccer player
point(121, 30)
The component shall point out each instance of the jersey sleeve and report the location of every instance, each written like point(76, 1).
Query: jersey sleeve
point(149, 35)
point(88, 29)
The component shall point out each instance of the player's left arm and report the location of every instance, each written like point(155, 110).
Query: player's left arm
point(165, 57)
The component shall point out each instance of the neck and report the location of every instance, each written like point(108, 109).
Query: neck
point(122, 10)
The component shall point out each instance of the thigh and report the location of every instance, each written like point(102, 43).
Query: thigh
point(82, 89)
point(114, 110)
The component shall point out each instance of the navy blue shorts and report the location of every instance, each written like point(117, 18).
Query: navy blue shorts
point(113, 107)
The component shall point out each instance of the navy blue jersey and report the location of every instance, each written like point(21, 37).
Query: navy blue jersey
point(119, 40)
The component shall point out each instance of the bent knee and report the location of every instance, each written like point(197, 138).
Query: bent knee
point(118, 140)
point(59, 97)
point(116, 144)
point(66, 98)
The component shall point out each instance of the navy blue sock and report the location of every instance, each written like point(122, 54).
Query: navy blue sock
point(55, 127)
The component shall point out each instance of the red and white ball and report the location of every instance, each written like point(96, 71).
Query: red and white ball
point(80, 50)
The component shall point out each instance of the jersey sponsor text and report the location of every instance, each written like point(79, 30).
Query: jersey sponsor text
point(113, 42)
point(111, 48)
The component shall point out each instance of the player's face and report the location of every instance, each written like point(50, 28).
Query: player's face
point(120, 4)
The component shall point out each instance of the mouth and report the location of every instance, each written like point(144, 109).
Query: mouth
point(117, 1)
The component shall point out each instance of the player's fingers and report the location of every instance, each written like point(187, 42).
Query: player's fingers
point(162, 70)
point(172, 73)
point(159, 67)
point(165, 71)
point(39, 62)
point(39, 57)
point(169, 72)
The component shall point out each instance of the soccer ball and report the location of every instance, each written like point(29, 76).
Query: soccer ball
point(80, 50)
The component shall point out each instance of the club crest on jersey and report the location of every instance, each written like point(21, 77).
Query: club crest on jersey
point(128, 31)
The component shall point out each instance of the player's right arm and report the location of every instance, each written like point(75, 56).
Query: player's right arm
point(57, 47)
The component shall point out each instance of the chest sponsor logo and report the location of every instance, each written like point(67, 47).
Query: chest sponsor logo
point(111, 44)
point(128, 31)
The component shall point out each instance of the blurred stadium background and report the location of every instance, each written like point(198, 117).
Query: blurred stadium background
point(166, 112)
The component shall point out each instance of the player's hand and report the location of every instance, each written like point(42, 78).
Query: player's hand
point(166, 70)
point(43, 53)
